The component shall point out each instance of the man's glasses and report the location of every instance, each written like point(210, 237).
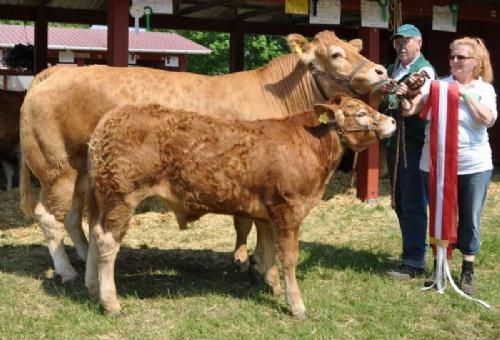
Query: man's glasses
point(458, 57)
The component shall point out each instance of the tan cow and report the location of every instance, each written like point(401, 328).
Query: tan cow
point(199, 164)
point(10, 105)
point(64, 105)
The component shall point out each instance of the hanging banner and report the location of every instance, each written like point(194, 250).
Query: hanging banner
point(444, 18)
point(297, 7)
point(324, 12)
point(375, 13)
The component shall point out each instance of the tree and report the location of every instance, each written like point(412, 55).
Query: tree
point(216, 62)
point(258, 50)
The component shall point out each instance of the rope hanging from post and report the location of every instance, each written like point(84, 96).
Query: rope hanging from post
point(396, 19)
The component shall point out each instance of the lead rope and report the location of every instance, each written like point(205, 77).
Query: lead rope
point(400, 143)
point(353, 170)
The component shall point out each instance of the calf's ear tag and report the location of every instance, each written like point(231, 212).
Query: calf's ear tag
point(298, 49)
point(323, 118)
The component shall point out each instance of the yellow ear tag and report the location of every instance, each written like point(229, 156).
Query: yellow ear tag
point(323, 118)
point(298, 50)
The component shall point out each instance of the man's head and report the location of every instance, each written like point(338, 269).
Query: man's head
point(407, 42)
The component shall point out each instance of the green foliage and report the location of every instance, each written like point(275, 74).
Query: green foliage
point(260, 49)
point(215, 63)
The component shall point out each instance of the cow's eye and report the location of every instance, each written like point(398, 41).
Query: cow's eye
point(336, 55)
point(362, 114)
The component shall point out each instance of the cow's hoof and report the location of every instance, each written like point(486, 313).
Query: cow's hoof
point(276, 290)
point(301, 316)
point(114, 312)
point(68, 277)
point(241, 266)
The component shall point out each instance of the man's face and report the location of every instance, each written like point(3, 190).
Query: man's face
point(408, 49)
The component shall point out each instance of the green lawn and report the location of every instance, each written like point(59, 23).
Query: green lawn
point(180, 284)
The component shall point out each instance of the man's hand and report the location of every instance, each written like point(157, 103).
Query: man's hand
point(388, 87)
point(415, 81)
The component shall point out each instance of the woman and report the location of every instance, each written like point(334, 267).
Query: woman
point(471, 70)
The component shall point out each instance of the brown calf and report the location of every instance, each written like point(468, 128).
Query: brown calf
point(273, 171)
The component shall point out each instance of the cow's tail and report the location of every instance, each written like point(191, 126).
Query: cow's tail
point(28, 201)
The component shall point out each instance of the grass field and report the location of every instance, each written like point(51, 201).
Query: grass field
point(177, 284)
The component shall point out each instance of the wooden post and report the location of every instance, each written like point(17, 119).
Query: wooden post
point(368, 161)
point(236, 61)
point(118, 32)
point(41, 38)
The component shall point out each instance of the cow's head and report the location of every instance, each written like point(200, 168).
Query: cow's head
point(337, 64)
point(356, 123)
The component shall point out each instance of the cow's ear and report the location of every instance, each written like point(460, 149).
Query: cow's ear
point(357, 43)
point(327, 114)
point(299, 45)
point(337, 99)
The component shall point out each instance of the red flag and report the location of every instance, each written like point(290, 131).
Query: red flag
point(442, 111)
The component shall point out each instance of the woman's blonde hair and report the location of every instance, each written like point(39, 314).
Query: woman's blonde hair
point(481, 54)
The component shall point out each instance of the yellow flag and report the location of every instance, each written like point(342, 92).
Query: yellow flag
point(297, 7)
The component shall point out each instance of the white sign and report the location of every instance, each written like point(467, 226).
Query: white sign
point(132, 58)
point(373, 15)
point(66, 57)
point(171, 61)
point(158, 6)
point(442, 19)
point(327, 12)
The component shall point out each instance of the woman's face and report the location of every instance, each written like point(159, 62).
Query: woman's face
point(462, 62)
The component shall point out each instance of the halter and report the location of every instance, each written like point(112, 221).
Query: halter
point(342, 81)
point(341, 131)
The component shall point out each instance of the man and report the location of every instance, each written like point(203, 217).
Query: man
point(404, 149)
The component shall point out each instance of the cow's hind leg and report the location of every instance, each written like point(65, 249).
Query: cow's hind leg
point(53, 231)
point(242, 226)
point(73, 220)
point(264, 259)
point(54, 204)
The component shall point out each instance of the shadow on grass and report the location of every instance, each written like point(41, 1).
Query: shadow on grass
point(178, 273)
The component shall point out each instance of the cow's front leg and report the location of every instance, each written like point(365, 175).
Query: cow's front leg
point(288, 251)
point(264, 258)
point(242, 227)
point(91, 271)
point(73, 220)
point(107, 250)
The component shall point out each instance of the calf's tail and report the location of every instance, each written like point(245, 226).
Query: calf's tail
point(28, 202)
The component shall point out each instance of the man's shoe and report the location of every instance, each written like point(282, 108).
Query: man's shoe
point(466, 282)
point(405, 272)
